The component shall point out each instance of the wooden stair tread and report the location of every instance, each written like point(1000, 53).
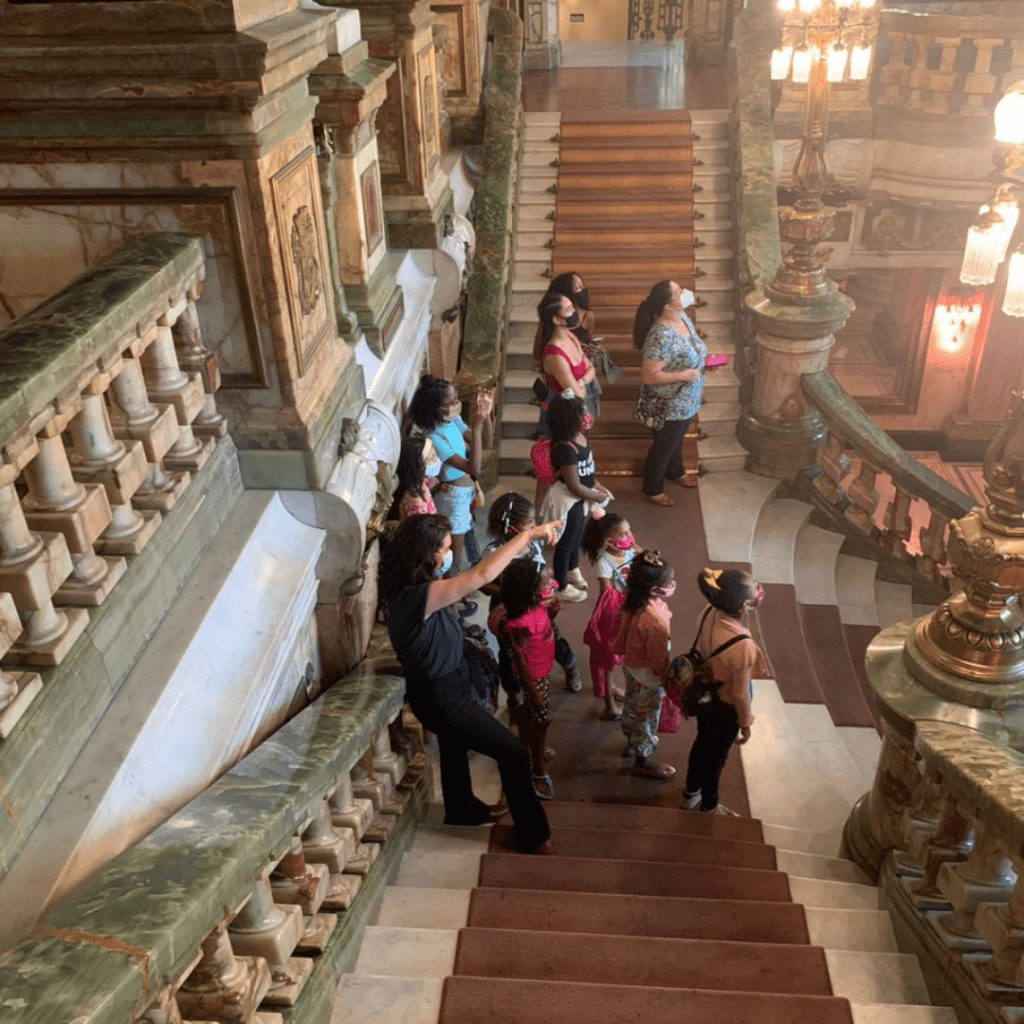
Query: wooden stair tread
point(623, 817)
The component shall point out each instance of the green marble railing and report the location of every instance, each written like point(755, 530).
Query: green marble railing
point(104, 954)
point(489, 290)
point(856, 457)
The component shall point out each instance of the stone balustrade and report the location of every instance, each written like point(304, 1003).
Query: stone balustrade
point(892, 508)
point(957, 882)
point(107, 405)
point(248, 901)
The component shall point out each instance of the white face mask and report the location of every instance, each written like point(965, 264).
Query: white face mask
point(686, 300)
point(440, 570)
point(433, 468)
point(452, 411)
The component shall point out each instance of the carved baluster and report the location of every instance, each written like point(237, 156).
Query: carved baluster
point(950, 844)
point(1002, 927)
point(264, 929)
point(835, 465)
point(306, 885)
point(32, 568)
point(135, 417)
point(385, 760)
point(196, 358)
point(921, 818)
point(118, 466)
point(863, 497)
point(17, 689)
point(981, 83)
point(349, 812)
point(941, 82)
point(167, 383)
point(56, 501)
point(223, 987)
point(932, 540)
point(985, 877)
point(918, 76)
point(339, 849)
point(898, 525)
point(379, 789)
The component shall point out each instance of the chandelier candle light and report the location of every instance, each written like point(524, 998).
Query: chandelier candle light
point(824, 43)
point(989, 237)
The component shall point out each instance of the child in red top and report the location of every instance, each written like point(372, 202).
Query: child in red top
point(527, 593)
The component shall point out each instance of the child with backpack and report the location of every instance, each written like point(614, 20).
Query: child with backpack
point(526, 594)
point(644, 641)
point(608, 543)
point(727, 658)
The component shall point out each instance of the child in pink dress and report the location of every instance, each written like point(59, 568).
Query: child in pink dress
point(608, 543)
point(527, 593)
point(413, 492)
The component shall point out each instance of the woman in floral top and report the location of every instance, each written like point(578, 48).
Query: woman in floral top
point(672, 370)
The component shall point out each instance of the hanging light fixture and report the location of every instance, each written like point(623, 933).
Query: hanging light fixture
point(1013, 300)
point(1009, 116)
point(981, 254)
point(835, 61)
point(803, 60)
point(1006, 206)
point(782, 57)
point(860, 61)
point(786, 6)
point(809, 6)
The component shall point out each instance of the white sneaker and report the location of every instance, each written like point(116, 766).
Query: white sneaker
point(691, 801)
point(723, 810)
point(575, 577)
point(572, 594)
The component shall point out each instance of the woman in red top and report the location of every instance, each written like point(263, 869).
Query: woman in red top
point(527, 592)
point(565, 364)
point(645, 643)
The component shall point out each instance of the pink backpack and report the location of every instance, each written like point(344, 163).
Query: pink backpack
point(540, 456)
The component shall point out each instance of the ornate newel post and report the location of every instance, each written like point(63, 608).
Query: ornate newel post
point(964, 663)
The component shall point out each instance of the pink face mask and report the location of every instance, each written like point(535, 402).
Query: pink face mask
point(549, 591)
point(666, 591)
point(588, 422)
point(624, 543)
point(759, 598)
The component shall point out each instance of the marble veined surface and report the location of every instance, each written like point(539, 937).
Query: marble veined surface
point(220, 673)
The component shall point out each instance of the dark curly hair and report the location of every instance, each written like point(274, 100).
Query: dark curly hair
point(519, 586)
point(727, 590)
point(411, 468)
point(647, 572)
point(426, 409)
point(508, 510)
point(595, 533)
point(407, 558)
point(565, 418)
point(649, 310)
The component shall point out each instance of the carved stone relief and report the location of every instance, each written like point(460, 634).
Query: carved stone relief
point(304, 256)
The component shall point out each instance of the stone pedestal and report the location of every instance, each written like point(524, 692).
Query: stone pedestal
point(781, 432)
point(460, 53)
point(542, 49)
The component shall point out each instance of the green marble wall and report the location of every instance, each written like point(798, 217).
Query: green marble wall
point(489, 291)
point(101, 955)
point(55, 728)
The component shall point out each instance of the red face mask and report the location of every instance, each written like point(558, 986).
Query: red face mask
point(549, 591)
point(588, 422)
point(624, 543)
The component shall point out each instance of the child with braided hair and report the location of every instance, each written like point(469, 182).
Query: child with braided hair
point(645, 643)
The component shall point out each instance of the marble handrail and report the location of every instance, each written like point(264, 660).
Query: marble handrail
point(106, 407)
point(489, 289)
point(111, 949)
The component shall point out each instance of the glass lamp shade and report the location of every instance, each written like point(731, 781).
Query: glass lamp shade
point(1013, 300)
point(1007, 208)
point(860, 61)
point(1009, 115)
point(809, 6)
point(786, 6)
point(981, 254)
point(803, 60)
point(782, 57)
point(835, 64)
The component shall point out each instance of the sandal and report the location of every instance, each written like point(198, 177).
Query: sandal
point(611, 715)
point(541, 795)
point(654, 770)
point(499, 810)
point(662, 500)
point(549, 754)
point(686, 480)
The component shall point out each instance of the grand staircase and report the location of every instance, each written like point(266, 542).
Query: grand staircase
point(625, 201)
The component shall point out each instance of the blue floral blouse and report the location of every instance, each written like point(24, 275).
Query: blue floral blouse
point(677, 352)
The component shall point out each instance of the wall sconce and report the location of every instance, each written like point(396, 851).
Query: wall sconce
point(956, 320)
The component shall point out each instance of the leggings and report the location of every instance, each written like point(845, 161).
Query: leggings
point(717, 729)
point(565, 656)
point(567, 550)
point(665, 456)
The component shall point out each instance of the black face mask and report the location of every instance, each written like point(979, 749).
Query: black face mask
point(581, 298)
point(572, 320)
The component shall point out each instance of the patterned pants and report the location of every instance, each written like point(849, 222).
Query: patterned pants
point(542, 716)
point(641, 710)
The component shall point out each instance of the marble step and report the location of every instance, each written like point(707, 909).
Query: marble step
point(778, 526)
point(894, 603)
point(822, 894)
point(715, 180)
point(731, 505)
point(855, 591)
point(864, 746)
point(447, 870)
point(814, 565)
point(877, 977)
point(714, 208)
point(801, 840)
point(396, 952)
point(811, 865)
point(533, 118)
point(714, 152)
point(721, 454)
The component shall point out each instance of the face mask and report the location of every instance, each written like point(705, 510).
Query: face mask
point(441, 569)
point(433, 468)
point(686, 300)
point(758, 598)
point(624, 543)
point(587, 421)
point(572, 320)
point(581, 298)
point(666, 591)
point(549, 591)
point(453, 410)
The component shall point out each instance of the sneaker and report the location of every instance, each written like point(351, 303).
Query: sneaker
point(571, 594)
point(575, 577)
point(691, 801)
point(720, 809)
point(573, 680)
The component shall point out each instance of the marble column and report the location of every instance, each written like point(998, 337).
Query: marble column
point(542, 47)
point(780, 430)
